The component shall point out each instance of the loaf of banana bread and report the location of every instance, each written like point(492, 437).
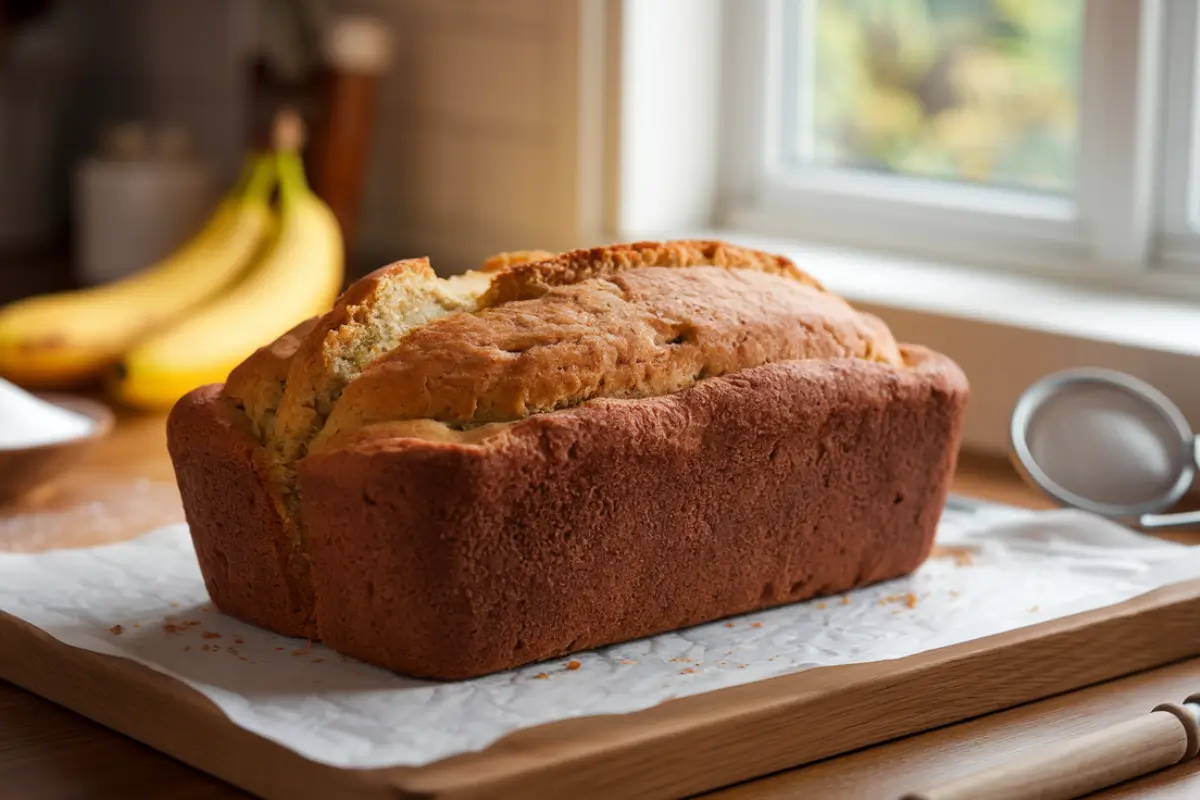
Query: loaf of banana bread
point(450, 477)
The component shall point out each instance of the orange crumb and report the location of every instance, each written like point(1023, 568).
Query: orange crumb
point(628, 661)
point(117, 630)
point(574, 665)
point(687, 671)
point(962, 557)
point(137, 625)
point(741, 666)
point(210, 635)
point(301, 652)
point(191, 623)
point(845, 599)
point(821, 606)
point(171, 627)
point(755, 624)
point(541, 676)
point(728, 624)
point(910, 599)
point(317, 660)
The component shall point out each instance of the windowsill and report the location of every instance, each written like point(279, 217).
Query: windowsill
point(1007, 330)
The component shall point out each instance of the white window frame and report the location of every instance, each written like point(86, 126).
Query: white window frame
point(1127, 209)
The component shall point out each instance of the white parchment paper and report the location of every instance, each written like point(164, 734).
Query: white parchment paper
point(995, 570)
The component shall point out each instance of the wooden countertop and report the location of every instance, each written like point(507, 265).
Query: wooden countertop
point(49, 752)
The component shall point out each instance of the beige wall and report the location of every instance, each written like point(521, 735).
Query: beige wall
point(476, 148)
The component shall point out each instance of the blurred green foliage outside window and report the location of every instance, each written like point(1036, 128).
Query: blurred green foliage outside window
point(983, 91)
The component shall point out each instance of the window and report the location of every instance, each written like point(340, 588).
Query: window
point(1045, 136)
point(965, 91)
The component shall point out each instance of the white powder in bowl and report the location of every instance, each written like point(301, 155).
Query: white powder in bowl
point(28, 421)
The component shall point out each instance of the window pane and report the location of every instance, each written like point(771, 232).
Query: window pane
point(971, 90)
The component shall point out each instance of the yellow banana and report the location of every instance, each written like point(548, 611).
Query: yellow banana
point(299, 276)
point(67, 338)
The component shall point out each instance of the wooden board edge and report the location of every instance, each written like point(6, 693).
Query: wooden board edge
point(684, 746)
point(170, 716)
point(704, 742)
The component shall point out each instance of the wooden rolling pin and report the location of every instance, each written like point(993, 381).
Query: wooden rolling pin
point(1166, 736)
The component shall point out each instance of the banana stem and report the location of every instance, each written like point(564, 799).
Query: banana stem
point(256, 180)
point(261, 180)
point(290, 170)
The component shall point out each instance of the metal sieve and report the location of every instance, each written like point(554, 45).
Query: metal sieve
point(1105, 442)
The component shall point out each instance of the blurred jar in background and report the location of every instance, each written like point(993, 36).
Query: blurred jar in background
point(141, 196)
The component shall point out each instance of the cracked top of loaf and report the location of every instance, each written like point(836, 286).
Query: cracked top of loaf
point(404, 352)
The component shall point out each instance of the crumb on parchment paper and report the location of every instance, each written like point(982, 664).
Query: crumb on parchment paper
point(541, 676)
point(117, 630)
point(210, 635)
point(962, 556)
point(574, 665)
point(909, 599)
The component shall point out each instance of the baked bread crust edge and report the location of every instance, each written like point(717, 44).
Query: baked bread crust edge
point(598, 524)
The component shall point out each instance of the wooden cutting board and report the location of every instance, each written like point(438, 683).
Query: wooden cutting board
point(678, 748)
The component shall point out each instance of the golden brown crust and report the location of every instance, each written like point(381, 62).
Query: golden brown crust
point(311, 371)
point(257, 384)
point(525, 281)
point(646, 332)
point(813, 457)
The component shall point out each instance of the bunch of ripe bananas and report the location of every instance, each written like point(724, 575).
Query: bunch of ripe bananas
point(253, 271)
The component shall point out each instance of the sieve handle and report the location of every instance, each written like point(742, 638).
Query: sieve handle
point(1159, 521)
point(1181, 520)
